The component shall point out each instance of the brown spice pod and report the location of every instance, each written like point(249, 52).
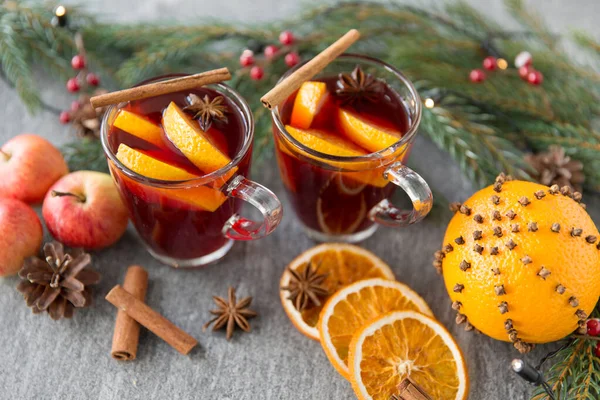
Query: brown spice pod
point(127, 330)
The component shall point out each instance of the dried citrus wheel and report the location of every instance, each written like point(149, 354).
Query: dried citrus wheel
point(140, 127)
point(309, 100)
point(350, 308)
point(371, 135)
point(343, 264)
point(403, 344)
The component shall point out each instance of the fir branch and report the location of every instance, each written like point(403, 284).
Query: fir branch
point(586, 42)
point(85, 153)
point(531, 21)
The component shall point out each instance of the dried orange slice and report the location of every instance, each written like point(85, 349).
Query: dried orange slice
point(150, 167)
point(187, 136)
point(350, 308)
point(140, 127)
point(404, 344)
point(343, 264)
point(365, 133)
point(202, 197)
point(309, 100)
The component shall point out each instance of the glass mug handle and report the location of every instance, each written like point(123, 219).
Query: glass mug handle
point(239, 228)
point(416, 188)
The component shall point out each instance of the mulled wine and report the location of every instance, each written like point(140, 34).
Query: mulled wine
point(180, 161)
point(348, 116)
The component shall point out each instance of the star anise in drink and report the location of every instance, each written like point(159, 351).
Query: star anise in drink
point(206, 110)
point(358, 86)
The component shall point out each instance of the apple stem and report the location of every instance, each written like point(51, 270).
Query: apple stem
point(79, 197)
point(5, 154)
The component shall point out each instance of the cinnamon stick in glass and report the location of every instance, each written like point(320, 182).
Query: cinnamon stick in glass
point(286, 87)
point(151, 320)
point(161, 87)
point(127, 330)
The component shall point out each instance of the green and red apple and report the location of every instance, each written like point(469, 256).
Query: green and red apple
point(29, 165)
point(84, 209)
point(20, 235)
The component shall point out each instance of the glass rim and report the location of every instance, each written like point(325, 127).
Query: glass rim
point(375, 156)
point(202, 179)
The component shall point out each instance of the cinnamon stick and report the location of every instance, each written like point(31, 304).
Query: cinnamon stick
point(127, 330)
point(281, 92)
point(409, 390)
point(151, 320)
point(162, 87)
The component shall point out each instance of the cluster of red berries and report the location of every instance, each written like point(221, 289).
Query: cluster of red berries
point(75, 84)
point(593, 329)
point(523, 62)
point(270, 53)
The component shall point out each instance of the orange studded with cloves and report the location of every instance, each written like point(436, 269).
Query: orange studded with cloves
point(523, 264)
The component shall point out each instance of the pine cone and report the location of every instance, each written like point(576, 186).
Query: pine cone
point(554, 167)
point(58, 284)
point(86, 119)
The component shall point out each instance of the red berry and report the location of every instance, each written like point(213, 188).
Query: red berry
point(593, 327)
point(286, 38)
point(477, 76)
point(257, 73)
point(78, 62)
point(73, 85)
point(292, 59)
point(489, 63)
point(64, 117)
point(270, 51)
point(535, 77)
point(92, 79)
point(247, 58)
point(597, 349)
point(75, 105)
point(524, 71)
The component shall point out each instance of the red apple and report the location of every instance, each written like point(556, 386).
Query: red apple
point(20, 235)
point(84, 209)
point(29, 165)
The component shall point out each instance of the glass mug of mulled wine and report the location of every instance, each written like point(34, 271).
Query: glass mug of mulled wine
point(183, 172)
point(342, 140)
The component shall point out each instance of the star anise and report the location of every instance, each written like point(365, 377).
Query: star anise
point(306, 287)
point(206, 110)
point(358, 86)
point(231, 313)
point(59, 283)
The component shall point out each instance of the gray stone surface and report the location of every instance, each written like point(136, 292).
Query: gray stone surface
point(43, 359)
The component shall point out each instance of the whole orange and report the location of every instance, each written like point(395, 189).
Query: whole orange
point(521, 262)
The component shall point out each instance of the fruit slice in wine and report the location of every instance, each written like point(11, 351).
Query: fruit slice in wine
point(309, 100)
point(140, 127)
point(187, 136)
point(203, 197)
point(368, 134)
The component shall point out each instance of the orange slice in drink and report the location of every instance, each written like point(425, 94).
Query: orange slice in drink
point(203, 197)
point(355, 305)
point(140, 127)
point(195, 145)
point(309, 100)
point(325, 142)
point(404, 344)
point(365, 133)
point(150, 167)
point(329, 143)
point(343, 264)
